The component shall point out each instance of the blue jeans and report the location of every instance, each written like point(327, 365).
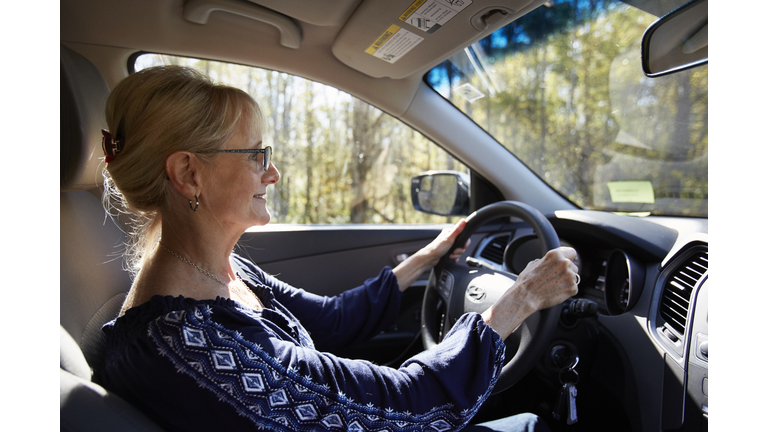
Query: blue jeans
point(517, 423)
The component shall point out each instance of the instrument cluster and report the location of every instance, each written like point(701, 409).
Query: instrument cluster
point(611, 278)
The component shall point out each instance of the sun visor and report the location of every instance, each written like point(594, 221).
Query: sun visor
point(398, 38)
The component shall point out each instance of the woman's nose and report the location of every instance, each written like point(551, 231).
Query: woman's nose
point(272, 175)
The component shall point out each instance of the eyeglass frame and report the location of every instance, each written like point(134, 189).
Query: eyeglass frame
point(266, 150)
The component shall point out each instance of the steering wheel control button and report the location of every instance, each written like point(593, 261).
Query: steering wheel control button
point(445, 285)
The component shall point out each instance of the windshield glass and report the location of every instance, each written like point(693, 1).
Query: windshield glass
point(563, 90)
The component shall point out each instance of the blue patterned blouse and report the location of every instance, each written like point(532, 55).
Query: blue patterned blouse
point(217, 365)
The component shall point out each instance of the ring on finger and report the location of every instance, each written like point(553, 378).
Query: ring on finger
point(578, 279)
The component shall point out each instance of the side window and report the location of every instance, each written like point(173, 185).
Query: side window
point(341, 160)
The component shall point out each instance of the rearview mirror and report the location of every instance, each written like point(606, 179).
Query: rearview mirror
point(443, 193)
point(677, 41)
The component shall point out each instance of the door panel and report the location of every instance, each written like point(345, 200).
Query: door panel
point(327, 260)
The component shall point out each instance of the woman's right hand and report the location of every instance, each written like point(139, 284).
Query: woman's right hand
point(544, 283)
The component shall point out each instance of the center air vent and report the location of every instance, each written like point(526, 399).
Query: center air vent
point(678, 288)
point(494, 250)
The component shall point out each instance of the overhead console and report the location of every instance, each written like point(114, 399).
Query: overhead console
point(381, 44)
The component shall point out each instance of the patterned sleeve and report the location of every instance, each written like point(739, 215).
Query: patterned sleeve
point(347, 319)
point(275, 383)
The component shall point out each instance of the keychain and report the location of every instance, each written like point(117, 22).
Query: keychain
point(565, 406)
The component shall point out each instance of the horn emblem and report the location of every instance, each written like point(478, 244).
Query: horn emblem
point(475, 293)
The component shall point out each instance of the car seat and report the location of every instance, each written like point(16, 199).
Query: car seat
point(93, 282)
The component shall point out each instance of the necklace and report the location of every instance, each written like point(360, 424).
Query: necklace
point(243, 292)
point(201, 270)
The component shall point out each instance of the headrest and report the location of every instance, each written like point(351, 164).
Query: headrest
point(83, 97)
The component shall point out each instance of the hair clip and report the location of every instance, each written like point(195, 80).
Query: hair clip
point(110, 145)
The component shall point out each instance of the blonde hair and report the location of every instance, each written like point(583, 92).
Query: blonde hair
point(159, 111)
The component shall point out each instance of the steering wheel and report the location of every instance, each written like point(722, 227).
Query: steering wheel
point(462, 289)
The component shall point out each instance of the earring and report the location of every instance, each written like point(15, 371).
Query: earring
point(197, 204)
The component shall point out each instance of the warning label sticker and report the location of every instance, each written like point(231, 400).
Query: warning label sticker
point(430, 15)
point(393, 44)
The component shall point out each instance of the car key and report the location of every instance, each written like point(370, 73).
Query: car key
point(561, 404)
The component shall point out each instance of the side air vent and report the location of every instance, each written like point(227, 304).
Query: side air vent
point(678, 289)
point(494, 250)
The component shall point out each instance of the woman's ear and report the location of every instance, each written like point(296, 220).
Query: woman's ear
point(183, 170)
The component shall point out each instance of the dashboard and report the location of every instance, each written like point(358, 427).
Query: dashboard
point(649, 278)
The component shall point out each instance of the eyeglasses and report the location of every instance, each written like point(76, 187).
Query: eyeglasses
point(267, 151)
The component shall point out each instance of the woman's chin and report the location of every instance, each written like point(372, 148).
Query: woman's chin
point(261, 215)
point(262, 218)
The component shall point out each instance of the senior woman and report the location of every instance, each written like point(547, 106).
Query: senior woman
point(206, 340)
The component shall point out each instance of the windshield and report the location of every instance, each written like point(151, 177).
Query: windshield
point(563, 90)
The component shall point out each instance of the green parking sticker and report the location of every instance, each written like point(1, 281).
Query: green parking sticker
point(631, 192)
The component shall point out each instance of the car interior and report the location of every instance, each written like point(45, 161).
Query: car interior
point(634, 341)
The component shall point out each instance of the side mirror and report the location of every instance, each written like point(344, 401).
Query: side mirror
point(443, 193)
point(676, 41)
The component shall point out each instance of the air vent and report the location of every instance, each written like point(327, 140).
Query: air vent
point(678, 290)
point(494, 250)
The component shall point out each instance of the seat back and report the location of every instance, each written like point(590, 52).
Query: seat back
point(93, 282)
